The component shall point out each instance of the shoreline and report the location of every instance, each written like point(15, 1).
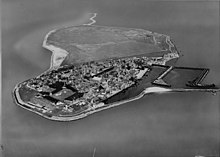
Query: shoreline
point(57, 57)
point(60, 54)
point(56, 51)
point(149, 90)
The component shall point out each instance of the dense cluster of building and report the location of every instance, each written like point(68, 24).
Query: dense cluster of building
point(89, 83)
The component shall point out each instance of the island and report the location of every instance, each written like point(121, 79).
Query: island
point(94, 68)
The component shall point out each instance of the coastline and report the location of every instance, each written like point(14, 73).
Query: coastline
point(58, 56)
point(166, 124)
point(150, 90)
point(57, 53)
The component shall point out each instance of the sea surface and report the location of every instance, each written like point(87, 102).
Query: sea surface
point(177, 124)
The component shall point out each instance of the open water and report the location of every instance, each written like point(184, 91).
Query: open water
point(179, 124)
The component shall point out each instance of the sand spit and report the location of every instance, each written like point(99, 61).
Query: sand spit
point(58, 54)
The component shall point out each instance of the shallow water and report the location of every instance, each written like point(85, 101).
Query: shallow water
point(185, 124)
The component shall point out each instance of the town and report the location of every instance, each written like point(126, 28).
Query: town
point(71, 92)
point(73, 89)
